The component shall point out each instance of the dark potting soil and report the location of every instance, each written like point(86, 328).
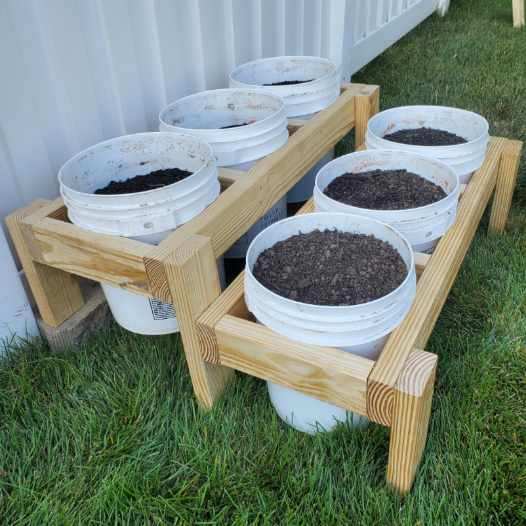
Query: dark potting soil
point(234, 125)
point(143, 183)
point(425, 137)
point(330, 268)
point(288, 82)
point(384, 190)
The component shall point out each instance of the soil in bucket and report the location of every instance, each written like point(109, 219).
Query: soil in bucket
point(236, 125)
point(288, 82)
point(143, 183)
point(384, 190)
point(331, 267)
point(425, 137)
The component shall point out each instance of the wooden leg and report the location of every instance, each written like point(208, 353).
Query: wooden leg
point(506, 180)
point(56, 293)
point(518, 13)
point(411, 411)
point(365, 107)
point(366, 104)
point(193, 280)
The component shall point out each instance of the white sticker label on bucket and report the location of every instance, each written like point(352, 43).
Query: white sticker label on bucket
point(160, 310)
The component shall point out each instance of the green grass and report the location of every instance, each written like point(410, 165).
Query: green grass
point(111, 434)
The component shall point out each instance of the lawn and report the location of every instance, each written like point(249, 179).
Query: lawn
point(111, 434)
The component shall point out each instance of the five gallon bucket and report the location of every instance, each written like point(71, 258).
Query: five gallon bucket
point(147, 216)
point(241, 126)
point(463, 158)
point(360, 329)
point(422, 226)
point(318, 89)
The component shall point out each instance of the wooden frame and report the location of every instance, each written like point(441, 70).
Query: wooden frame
point(217, 332)
point(518, 13)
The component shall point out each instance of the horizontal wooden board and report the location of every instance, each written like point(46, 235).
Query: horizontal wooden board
point(328, 374)
point(243, 203)
point(108, 259)
point(231, 301)
point(433, 287)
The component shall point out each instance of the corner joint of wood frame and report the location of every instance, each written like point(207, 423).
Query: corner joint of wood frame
point(412, 380)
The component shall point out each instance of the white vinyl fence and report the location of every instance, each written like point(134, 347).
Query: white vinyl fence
point(75, 72)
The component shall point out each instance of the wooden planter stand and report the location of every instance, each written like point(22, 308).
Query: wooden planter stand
point(217, 332)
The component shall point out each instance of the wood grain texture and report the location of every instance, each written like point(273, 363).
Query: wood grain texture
point(518, 13)
point(506, 181)
point(433, 288)
point(56, 293)
point(227, 176)
point(241, 205)
point(231, 301)
point(323, 372)
point(54, 209)
point(307, 208)
point(193, 280)
point(421, 261)
point(410, 422)
point(108, 259)
point(367, 104)
point(294, 125)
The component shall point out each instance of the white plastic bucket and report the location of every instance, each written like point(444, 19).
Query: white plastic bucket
point(360, 329)
point(422, 226)
point(147, 216)
point(204, 115)
point(464, 158)
point(301, 100)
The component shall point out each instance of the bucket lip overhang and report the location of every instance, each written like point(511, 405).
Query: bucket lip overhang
point(449, 197)
point(173, 135)
point(182, 129)
point(413, 107)
point(306, 58)
point(408, 277)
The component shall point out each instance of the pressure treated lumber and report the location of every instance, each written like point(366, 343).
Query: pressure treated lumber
point(323, 372)
point(193, 281)
point(433, 288)
point(506, 180)
point(231, 301)
point(241, 205)
point(367, 104)
point(413, 395)
point(228, 177)
point(295, 124)
point(56, 293)
point(108, 259)
point(518, 13)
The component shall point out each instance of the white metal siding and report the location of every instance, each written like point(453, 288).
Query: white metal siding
point(75, 72)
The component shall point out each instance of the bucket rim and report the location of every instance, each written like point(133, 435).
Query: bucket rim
point(451, 196)
point(200, 94)
point(433, 107)
point(405, 282)
point(209, 162)
point(306, 58)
